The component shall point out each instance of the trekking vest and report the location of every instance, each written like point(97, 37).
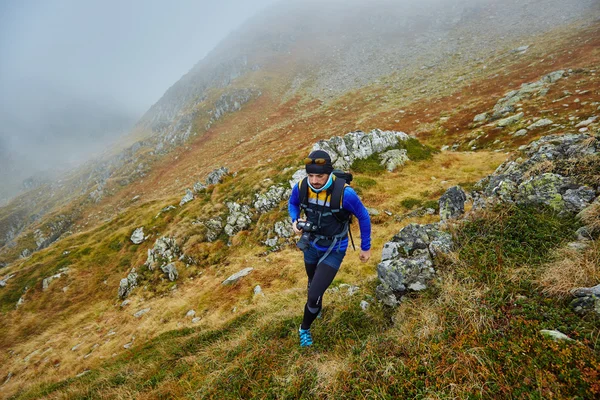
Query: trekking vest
point(331, 220)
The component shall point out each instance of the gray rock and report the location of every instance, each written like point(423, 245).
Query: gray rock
point(137, 236)
point(237, 276)
point(196, 320)
point(540, 124)
point(170, 271)
point(587, 122)
point(239, 218)
point(481, 117)
point(46, 282)
point(283, 229)
point(199, 187)
point(401, 274)
point(364, 305)
point(589, 291)
point(504, 122)
point(578, 199)
point(216, 176)
point(358, 145)
point(520, 132)
point(258, 291)
point(128, 284)
point(189, 196)
point(452, 203)
point(214, 228)
point(586, 304)
point(190, 313)
point(271, 199)
point(543, 189)
point(272, 242)
point(5, 279)
point(141, 312)
point(297, 177)
point(165, 250)
point(391, 159)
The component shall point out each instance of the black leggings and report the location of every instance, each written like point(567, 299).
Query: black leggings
point(319, 278)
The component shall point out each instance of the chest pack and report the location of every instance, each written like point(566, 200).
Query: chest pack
point(321, 214)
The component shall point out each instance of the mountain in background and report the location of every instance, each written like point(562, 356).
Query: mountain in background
point(204, 174)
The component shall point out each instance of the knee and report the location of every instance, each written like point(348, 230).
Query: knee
point(314, 299)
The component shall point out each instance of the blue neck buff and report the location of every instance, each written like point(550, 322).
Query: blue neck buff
point(325, 187)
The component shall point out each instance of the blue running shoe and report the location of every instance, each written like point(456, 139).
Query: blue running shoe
point(305, 337)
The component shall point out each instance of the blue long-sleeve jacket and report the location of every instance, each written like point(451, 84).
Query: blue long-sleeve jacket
point(350, 202)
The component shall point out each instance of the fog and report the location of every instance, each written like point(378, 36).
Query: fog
point(74, 75)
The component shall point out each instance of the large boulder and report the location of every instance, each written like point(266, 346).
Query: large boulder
point(358, 145)
point(137, 236)
point(391, 159)
point(408, 261)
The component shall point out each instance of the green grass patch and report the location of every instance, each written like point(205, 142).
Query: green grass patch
point(411, 202)
point(368, 166)
point(415, 150)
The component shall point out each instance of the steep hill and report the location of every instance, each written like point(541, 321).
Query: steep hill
point(476, 80)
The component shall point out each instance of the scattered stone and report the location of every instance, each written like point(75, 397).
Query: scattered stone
point(237, 276)
point(297, 177)
point(504, 122)
point(520, 132)
point(214, 228)
point(165, 250)
point(128, 345)
point(141, 312)
point(481, 117)
point(216, 176)
point(364, 305)
point(189, 196)
point(556, 335)
point(372, 211)
point(82, 374)
point(540, 124)
point(196, 320)
point(198, 187)
point(137, 236)
point(125, 303)
point(587, 122)
point(5, 279)
point(46, 282)
point(190, 313)
point(76, 347)
point(258, 291)
point(8, 377)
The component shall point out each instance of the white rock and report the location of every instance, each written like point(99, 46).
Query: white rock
point(141, 312)
point(237, 276)
point(196, 320)
point(364, 305)
point(190, 313)
point(556, 335)
point(258, 291)
point(138, 235)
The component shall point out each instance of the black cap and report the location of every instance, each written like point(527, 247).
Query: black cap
point(313, 168)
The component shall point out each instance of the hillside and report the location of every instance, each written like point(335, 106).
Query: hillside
point(474, 332)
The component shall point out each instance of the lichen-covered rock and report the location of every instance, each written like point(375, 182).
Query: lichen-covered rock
point(391, 159)
point(216, 176)
point(214, 228)
point(271, 199)
point(239, 218)
point(198, 187)
point(540, 124)
point(137, 236)
point(407, 262)
point(189, 196)
point(543, 189)
point(283, 229)
point(452, 203)
point(297, 177)
point(164, 251)
point(128, 284)
point(504, 122)
point(170, 271)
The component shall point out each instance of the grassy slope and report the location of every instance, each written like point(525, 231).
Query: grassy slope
point(433, 346)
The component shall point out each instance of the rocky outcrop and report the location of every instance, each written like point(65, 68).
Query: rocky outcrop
point(392, 159)
point(239, 218)
point(271, 199)
point(507, 104)
point(530, 180)
point(214, 228)
point(164, 251)
point(408, 261)
point(189, 196)
point(170, 271)
point(586, 300)
point(358, 145)
point(126, 285)
point(216, 176)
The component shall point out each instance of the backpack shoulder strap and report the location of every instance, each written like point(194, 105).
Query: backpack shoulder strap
point(303, 192)
point(337, 194)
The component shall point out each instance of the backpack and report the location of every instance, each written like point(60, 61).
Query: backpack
point(337, 194)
